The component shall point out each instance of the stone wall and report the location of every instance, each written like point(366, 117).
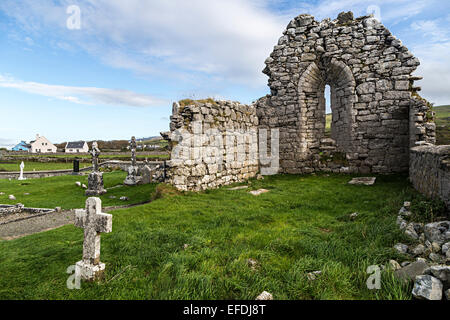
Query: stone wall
point(429, 171)
point(212, 144)
point(376, 111)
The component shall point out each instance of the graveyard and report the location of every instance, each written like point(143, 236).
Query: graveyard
point(198, 245)
point(63, 192)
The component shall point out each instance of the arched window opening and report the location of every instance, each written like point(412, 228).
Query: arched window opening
point(328, 115)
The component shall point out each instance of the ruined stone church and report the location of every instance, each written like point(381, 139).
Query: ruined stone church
point(377, 119)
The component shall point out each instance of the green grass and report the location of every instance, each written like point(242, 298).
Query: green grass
point(62, 191)
point(301, 225)
point(442, 125)
point(38, 166)
point(186, 102)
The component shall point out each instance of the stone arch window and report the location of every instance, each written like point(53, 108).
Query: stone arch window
point(313, 110)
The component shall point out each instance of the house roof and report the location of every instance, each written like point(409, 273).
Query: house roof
point(21, 144)
point(75, 145)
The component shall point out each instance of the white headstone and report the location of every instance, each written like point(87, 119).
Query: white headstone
point(22, 166)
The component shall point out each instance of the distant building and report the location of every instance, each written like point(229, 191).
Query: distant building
point(22, 146)
point(77, 147)
point(42, 145)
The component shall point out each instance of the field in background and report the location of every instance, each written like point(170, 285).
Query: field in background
point(328, 125)
point(442, 125)
point(38, 166)
point(63, 192)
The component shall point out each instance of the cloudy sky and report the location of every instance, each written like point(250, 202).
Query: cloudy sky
point(114, 72)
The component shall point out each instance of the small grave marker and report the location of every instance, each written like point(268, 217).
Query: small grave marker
point(94, 222)
point(132, 178)
point(95, 178)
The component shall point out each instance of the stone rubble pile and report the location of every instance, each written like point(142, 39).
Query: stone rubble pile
point(431, 270)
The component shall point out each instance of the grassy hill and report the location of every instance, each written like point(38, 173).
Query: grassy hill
point(442, 125)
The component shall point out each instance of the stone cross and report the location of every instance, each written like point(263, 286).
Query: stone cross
point(94, 222)
point(133, 151)
point(95, 152)
point(22, 166)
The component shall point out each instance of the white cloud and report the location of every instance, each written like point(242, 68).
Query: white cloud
point(432, 29)
point(435, 69)
point(391, 11)
point(82, 95)
point(230, 39)
point(7, 143)
point(203, 41)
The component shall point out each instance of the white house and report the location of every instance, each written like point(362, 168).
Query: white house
point(77, 147)
point(42, 145)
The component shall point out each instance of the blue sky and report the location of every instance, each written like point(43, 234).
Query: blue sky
point(118, 74)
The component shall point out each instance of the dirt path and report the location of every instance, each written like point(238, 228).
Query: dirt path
point(35, 224)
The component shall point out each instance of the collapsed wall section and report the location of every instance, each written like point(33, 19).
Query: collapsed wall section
point(212, 144)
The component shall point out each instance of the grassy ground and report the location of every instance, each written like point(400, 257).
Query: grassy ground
point(38, 166)
point(62, 191)
point(442, 125)
point(301, 225)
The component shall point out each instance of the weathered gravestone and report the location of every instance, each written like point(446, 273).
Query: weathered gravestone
point(95, 178)
point(132, 178)
point(76, 167)
point(146, 175)
point(94, 222)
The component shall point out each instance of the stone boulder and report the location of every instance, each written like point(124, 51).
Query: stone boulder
point(411, 271)
point(440, 272)
point(437, 231)
point(401, 248)
point(427, 287)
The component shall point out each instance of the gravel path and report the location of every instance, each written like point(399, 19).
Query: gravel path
point(18, 229)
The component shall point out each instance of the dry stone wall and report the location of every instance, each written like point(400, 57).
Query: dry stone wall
point(377, 114)
point(429, 171)
point(212, 144)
